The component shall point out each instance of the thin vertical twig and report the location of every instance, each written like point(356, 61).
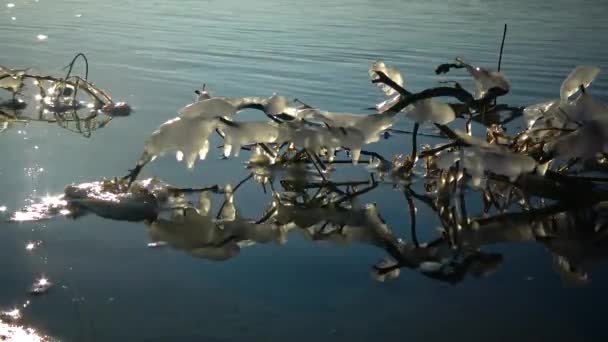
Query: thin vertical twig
point(414, 139)
point(502, 45)
point(412, 209)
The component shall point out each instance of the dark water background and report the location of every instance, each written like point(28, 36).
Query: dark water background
point(154, 53)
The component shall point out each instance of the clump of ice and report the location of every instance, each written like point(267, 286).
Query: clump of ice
point(188, 137)
point(238, 134)
point(585, 142)
point(476, 160)
point(431, 111)
point(392, 72)
point(207, 109)
point(485, 79)
point(581, 75)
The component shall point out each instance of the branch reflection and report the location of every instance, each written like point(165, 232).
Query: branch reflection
point(335, 212)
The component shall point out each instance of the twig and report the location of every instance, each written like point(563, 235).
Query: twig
point(412, 210)
point(219, 212)
point(502, 45)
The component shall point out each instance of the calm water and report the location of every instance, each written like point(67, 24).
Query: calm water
point(110, 287)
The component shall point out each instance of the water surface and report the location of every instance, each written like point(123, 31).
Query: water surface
point(109, 286)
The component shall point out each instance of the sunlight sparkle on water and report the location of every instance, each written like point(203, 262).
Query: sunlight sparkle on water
point(41, 286)
point(45, 208)
point(30, 246)
point(42, 37)
point(10, 5)
point(10, 332)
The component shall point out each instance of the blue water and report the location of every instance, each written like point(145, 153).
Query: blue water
point(153, 54)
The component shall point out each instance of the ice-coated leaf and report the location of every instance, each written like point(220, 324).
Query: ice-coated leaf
point(238, 134)
point(485, 79)
point(581, 75)
point(586, 108)
point(392, 72)
point(208, 109)
point(370, 125)
point(534, 112)
point(583, 143)
point(195, 233)
point(431, 111)
point(275, 105)
point(189, 135)
point(479, 159)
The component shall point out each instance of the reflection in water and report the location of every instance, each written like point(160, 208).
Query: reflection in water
point(331, 212)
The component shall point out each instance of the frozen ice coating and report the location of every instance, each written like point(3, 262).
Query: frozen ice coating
point(485, 79)
point(388, 103)
point(248, 230)
point(447, 159)
point(208, 109)
point(10, 79)
point(581, 75)
point(202, 94)
point(10, 82)
point(586, 108)
point(259, 157)
point(431, 111)
point(346, 137)
point(204, 203)
point(534, 112)
point(392, 72)
point(380, 276)
point(316, 138)
point(584, 143)
point(275, 105)
point(334, 119)
point(228, 212)
point(197, 234)
point(189, 136)
point(371, 125)
point(238, 134)
point(477, 160)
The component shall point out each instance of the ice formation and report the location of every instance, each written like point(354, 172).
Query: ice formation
point(431, 111)
point(485, 79)
point(238, 134)
point(11, 79)
point(581, 75)
point(188, 137)
point(390, 71)
point(476, 160)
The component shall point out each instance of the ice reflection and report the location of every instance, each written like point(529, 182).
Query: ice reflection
point(332, 212)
